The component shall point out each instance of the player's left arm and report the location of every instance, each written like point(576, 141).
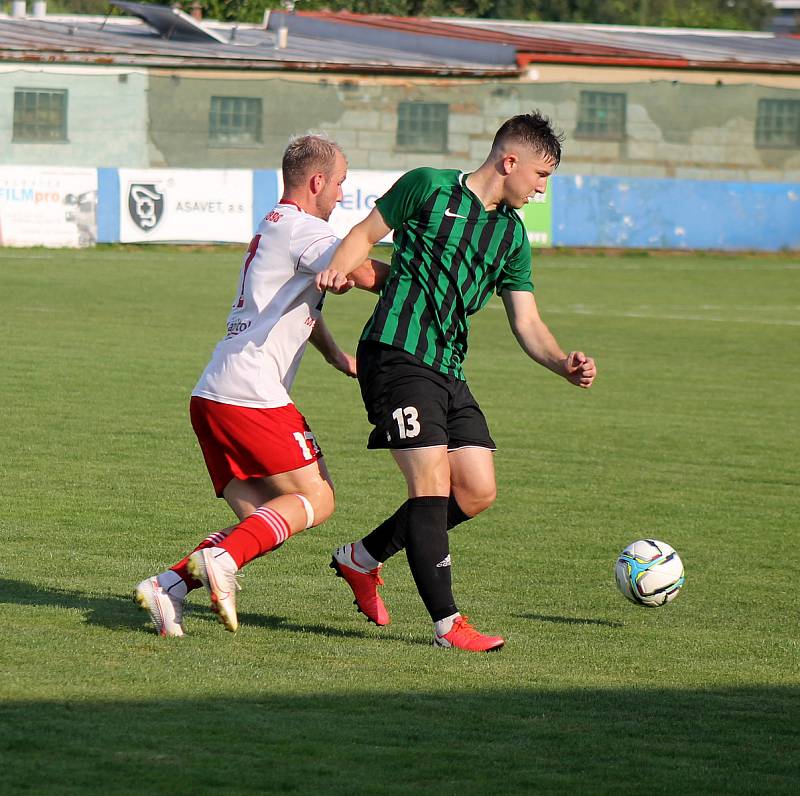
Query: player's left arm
point(322, 339)
point(538, 342)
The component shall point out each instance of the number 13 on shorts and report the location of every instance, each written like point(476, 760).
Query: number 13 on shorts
point(407, 419)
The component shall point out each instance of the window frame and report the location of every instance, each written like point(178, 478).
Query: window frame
point(619, 133)
point(54, 133)
point(422, 140)
point(216, 134)
point(766, 112)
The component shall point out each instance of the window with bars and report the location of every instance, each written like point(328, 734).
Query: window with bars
point(40, 115)
point(422, 126)
point(601, 114)
point(235, 121)
point(778, 124)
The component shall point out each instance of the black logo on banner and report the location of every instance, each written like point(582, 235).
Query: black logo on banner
point(146, 205)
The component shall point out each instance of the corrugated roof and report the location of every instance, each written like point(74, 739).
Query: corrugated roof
point(121, 40)
point(346, 42)
point(732, 49)
point(603, 44)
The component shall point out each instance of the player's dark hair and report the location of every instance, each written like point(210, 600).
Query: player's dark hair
point(308, 155)
point(534, 130)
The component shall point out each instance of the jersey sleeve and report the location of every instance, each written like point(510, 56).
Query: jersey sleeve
point(406, 196)
point(517, 271)
point(313, 246)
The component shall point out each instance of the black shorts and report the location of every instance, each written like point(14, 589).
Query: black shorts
point(412, 405)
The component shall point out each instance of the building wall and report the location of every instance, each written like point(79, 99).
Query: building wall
point(106, 116)
point(703, 129)
point(679, 124)
point(179, 105)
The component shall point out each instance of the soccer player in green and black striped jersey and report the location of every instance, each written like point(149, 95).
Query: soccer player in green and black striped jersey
point(457, 239)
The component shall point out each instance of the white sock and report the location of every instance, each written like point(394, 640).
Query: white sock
point(361, 557)
point(173, 584)
point(444, 626)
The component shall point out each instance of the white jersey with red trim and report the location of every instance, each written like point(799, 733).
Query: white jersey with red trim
point(276, 306)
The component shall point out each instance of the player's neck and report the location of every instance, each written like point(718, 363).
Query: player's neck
point(306, 204)
point(284, 200)
point(486, 184)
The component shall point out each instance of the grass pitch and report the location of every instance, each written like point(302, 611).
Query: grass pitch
point(689, 435)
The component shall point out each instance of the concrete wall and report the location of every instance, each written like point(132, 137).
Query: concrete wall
point(703, 130)
point(680, 125)
point(106, 116)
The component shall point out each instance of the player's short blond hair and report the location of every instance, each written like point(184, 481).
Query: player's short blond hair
point(307, 155)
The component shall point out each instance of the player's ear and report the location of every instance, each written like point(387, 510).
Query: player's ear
point(317, 183)
point(509, 163)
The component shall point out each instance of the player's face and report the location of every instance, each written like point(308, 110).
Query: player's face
point(331, 193)
point(526, 175)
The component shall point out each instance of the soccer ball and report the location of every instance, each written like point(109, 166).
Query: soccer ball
point(649, 573)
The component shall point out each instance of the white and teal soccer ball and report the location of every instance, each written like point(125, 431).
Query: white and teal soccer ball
point(649, 573)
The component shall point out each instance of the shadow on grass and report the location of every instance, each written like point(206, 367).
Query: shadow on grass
point(570, 620)
point(119, 612)
point(469, 742)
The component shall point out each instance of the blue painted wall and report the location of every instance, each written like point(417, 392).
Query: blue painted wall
point(107, 205)
point(675, 214)
point(265, 193)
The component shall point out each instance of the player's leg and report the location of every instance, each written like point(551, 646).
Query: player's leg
point(163, 595)
point(407, 406)
point(253, 456)
point(427, 474)
point(472, 480)
point(473, 488)
point(280, 506)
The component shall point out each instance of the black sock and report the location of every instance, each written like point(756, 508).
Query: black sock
point(428, 552)
point(390, 536)
point(454, 514)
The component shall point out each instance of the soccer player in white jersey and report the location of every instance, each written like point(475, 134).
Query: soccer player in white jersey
point(260, 453)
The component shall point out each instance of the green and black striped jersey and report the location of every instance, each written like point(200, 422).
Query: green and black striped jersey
point(449, 255)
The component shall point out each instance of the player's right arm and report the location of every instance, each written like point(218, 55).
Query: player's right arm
point(352, 253)
point(370, 275)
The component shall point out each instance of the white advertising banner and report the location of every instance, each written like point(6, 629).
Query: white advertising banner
point(47, 206)
point(186, 205)
point(361, 189)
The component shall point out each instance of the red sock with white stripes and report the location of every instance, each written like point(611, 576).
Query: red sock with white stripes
point(181, 570)
point(261, 532)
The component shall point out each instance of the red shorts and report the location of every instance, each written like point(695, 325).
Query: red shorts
point(240, 442)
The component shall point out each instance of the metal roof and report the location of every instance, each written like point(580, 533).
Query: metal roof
point(123, 40)
point(601, 44)
point(695, 47)
point(346, 42)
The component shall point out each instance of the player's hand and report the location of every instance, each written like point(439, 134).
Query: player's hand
point(580, 370)
point(333, 282)
point(344, 363)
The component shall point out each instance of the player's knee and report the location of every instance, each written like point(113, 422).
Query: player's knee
point(477, 500)
point(322, 501)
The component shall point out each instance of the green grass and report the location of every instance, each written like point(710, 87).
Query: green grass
point(690, 435)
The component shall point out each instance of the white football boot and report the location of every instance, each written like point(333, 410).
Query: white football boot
point(215, 569)
point(165, 610)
